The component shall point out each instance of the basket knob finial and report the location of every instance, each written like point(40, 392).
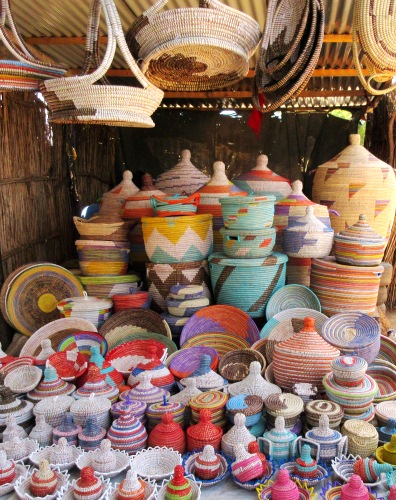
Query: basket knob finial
point(167, 417)
point(205, 415)
point(262, 162)
point(297, 187)
point(255, 368)
point(127, 175)
point(239, 420)
point(354, 139)
point(309, 324)
point(362, 218)
point(185, 154)
point(280, 424)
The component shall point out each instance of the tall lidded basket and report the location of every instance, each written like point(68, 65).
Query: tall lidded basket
point(356, 182)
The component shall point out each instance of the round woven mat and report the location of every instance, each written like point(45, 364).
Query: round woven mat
point(30, 297)
point(123, 323)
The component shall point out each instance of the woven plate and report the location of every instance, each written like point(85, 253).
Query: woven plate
point(292, 297)
point(56, 331)
point(350, 330)
point(123, 323)
point(387, 350)
point(186, 361)
point(223, 342)
point(82, 342)
point(33, 294)
point(221, 318)
point(285, 319)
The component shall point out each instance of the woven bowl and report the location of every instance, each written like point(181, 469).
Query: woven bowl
point(68, 364)
point(21, 471)
point(155, 463)
point(285, 319)
point(186, 361)
point(323, 474)
point(22, 487)
point(387, 350)
point(86, 459)
point(384, 374)
point(82, 342)
point(45, 453)
point(23, 379)
point(292, 297)
point(234, 366)
point(223, 342)
point(189, 468)
point(343, 469)
point(31, 447)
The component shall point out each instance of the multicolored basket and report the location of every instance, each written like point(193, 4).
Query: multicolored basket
point(250, 406)
point(107, 228)
point(68, 364)
point(384, 374)
point(263, 181)
point(290, 320)
point(214, 401)
point(248, 212)
point(140, 300)
point(168, 433)
point(103, 258)
point(139, 204)
point(170, 240)
point(93, 309)
point(107, 286)
point(342, 288)
point(298, 271)
point(222, 342)
point(291, 297)
point(162, 277)
point(113, 200)
point(247, 283)
point(169, 206)
point(184, 362)
point(354, 334)
point(82, 342)
point(248, 244)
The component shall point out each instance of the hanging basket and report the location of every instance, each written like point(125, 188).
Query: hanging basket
point(77, 100)
point(194, 49)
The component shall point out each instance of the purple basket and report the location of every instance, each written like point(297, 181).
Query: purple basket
point(186, 361)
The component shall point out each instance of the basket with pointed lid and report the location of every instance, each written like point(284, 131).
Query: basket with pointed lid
point(93, 405)
point(97, 385)
point(137, 408)
point(293, 207)
point(61, 453)
point(362, 437)
point(205, 378)
point(53, 408)
point(131, 488)
point(305, 357)
point(218, 187)
point(46, 350)
point(42, 432)
point(305, 467)
point(146, 391)
point(238, 434)
point(51, 385)
point(160, 374)
point(307, 237)
point(204, 433)
point(246, 466)
point(353, 179)
point(113, 200)
point(127, 433)
point(155, 411)
point(10, 405)
point(12, 427)
point(370, 470)
point(139, 204)
point(263, 181)
point(332, 443)
point(278, 443)
point(112, 375)
point(207, 463)
point(104, 459)
point(359, 245)
point(92, 435)
point(354, 489)
point(185, 395)
point(43, 481)
point(179, 487)
point(254, 384)
point(67, 429)
point(88, 486)
point(283, 488)
point(7, 469)
point(184, 177)
point(168, 433)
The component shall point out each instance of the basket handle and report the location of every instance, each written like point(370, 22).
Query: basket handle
point(159, 4)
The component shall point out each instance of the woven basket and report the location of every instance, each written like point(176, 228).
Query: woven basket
point(195, 489)
point(298, 271)
point(82, 342)
point(87, 459)
point(23, 379)
point(139, 204)
point(204, 432)
point(247, 283)
point(45, 454)
point(68, 364)
point(171, 240)
point(342, 288)
point(291, 297)
point(248, 244)
point(77, 100)
point(30, 68)
point(22, 487)
point(97, 228)
point(314, 409)
point(155, 463)
point(186, 361)
point(362, 437)
point(238, 434)
point(248, 212)
point(103, 258)
point(384, 374)
point(133, 300)
point(191, 466)
point(175, 205)
point(234, 366)
point(223, 342)
point(161, 278)
point(250, 406)
point(53, 408)
point(112, 201)
point(107, 286)
point(213, 45)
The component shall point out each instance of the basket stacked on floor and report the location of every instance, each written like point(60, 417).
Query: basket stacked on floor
point(247, 273)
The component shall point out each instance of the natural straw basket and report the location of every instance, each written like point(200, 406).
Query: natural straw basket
point(211, 50)
point(76, 99)
point(234, 366)
point(103, 258)
point(23, 379)
point(155, 463)
point(97, 228)
point(30, 68)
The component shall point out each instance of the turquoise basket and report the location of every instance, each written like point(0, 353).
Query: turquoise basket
point(247, 283)
point(248, 212)
point(252, 244)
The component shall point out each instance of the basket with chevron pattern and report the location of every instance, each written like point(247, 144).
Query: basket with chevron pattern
point(247, 283)
point(169, 240)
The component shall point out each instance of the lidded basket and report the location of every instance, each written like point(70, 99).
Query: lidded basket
point(263, 181)
point(238, 434)
point(305, 358)
point(139, 204)
point(184, 177)
point(43, 481)
point(359, 245)
point(113, 200)
point(88, 486)
point(168, 433)
point(356, 179)
point(332, 443)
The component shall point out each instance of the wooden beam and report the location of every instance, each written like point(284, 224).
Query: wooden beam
point(80, 40)
point(248, 94)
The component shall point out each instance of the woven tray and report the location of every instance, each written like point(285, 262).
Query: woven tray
point(387, 350)
point(221, 318)
point(56, 331)
point(282, 321)
point(82, 342)
point(130, 321)
point(291, 297)
point(29, 299)
point(223, 342)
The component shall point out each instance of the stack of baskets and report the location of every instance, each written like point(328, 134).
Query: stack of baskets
point(247, 273)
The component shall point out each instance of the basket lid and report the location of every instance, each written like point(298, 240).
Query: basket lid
point(279, 434)
point(93, 405)
point(308, 223)
point(261, 173)
point(219, 185)
point(148, 189)
point(124, 189)
point(84, 303)
point(184, 177)
point(360, 231)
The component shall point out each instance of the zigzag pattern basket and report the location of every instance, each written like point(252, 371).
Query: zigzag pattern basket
point(161, 278)
point(178, 239)
point(247, 283)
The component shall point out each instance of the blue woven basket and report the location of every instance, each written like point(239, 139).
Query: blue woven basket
point(291, 297)
point(251, 244)
point(248, 212)
point(247, 283)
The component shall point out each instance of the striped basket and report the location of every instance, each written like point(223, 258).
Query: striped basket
point(139, 204)
point(248, 244)
point(138, 250)
point(107, 286)
point(247, 283)
point(298, 271)
point(113, 200)
point(110, 228)
point(175, 205)
point(248, 212)
point(103, 258)
point(161, 278)
point(343, 288)
point(171, 240)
